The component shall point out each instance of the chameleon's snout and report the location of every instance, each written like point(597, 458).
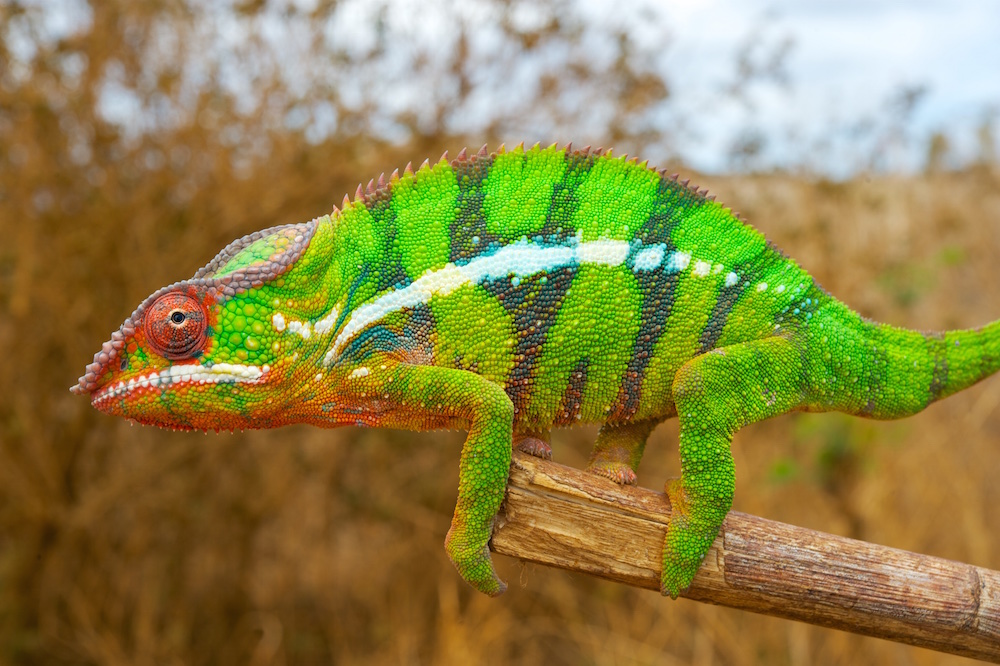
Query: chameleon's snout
point(104, 360)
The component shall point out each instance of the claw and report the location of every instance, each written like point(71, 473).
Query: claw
point(620, 473)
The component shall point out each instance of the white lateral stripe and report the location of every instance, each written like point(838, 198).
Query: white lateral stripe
point(649, 258)
point(326, 323)
point(677, 261)
point(520, 259)
point(300, 328)
point(607, 252)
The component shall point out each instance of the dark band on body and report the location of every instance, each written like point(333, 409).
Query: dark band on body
point(569, 405)
point(391, 274)
point(469, 235)
point(658, 288)
point(564, 202)
point(533, 304)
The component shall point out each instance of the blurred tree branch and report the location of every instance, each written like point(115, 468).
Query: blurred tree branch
point(573, 520)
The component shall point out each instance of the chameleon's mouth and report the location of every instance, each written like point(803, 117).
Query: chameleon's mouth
point(177, 376)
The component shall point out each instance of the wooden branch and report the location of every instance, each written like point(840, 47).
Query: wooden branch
point(574, 520)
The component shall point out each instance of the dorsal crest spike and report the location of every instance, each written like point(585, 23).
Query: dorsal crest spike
point(462, 155)
point(346, 202)
point(444, 157)
point(569, 148)
point(537, 146)
point(502, 149)
point(381, 181)
point(395, 176)
point(370, 189)
point(685, 182)
point(553, 146)
point(359, 194)
point(482, 152)
point(644, 164)
point(674, 176)
point(711, 197)
point(408, 169)
point(427, 164)
point(335, 211)
point(519, 148)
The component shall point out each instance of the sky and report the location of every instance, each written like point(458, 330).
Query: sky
point(845, 63)
point(828, 84)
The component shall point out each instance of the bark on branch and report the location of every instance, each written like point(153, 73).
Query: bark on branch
point(570, 519)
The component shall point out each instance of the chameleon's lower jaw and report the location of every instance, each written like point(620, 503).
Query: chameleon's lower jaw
point(144, 398)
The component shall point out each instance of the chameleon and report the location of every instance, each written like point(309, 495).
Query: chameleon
point(506, 293)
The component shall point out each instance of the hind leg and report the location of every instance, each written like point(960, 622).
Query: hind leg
point(618, 450)
point(717, 394)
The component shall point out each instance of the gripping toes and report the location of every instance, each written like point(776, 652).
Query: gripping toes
point(534, 446)
point(618, 450)
point(618, 472)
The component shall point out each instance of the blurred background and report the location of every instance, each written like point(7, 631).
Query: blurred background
point(138, 138)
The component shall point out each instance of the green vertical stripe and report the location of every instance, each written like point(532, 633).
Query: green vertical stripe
point(615, 199)
point(425, 209)
point(597, 322)
point(518, 191)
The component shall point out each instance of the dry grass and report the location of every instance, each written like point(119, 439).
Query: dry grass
point(130, 545)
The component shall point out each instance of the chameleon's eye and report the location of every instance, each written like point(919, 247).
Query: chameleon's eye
point(175, 326)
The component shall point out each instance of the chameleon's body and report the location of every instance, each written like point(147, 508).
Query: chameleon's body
point(509, 293)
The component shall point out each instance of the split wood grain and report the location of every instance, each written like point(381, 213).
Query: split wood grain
point(567, 518)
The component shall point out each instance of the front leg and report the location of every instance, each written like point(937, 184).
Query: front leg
point(422, 397)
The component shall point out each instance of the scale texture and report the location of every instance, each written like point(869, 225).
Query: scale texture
point(511, 292)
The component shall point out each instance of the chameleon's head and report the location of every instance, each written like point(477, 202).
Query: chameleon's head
point(212, 352)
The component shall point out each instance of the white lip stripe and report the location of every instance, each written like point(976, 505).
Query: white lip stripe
point(520, 259)
point(186, 374)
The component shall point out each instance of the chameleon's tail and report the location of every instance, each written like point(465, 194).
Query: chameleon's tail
point(968, 357)
point(885, 372)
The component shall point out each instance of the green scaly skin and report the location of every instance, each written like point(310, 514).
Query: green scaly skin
point(508, 293)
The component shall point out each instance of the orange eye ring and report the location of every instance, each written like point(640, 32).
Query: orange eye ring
point(175, 326)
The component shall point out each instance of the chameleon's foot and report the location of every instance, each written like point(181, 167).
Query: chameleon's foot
point(618, 450)
point(688, 541)
point(618, 472)
point(534, 446)
point(473, 563)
